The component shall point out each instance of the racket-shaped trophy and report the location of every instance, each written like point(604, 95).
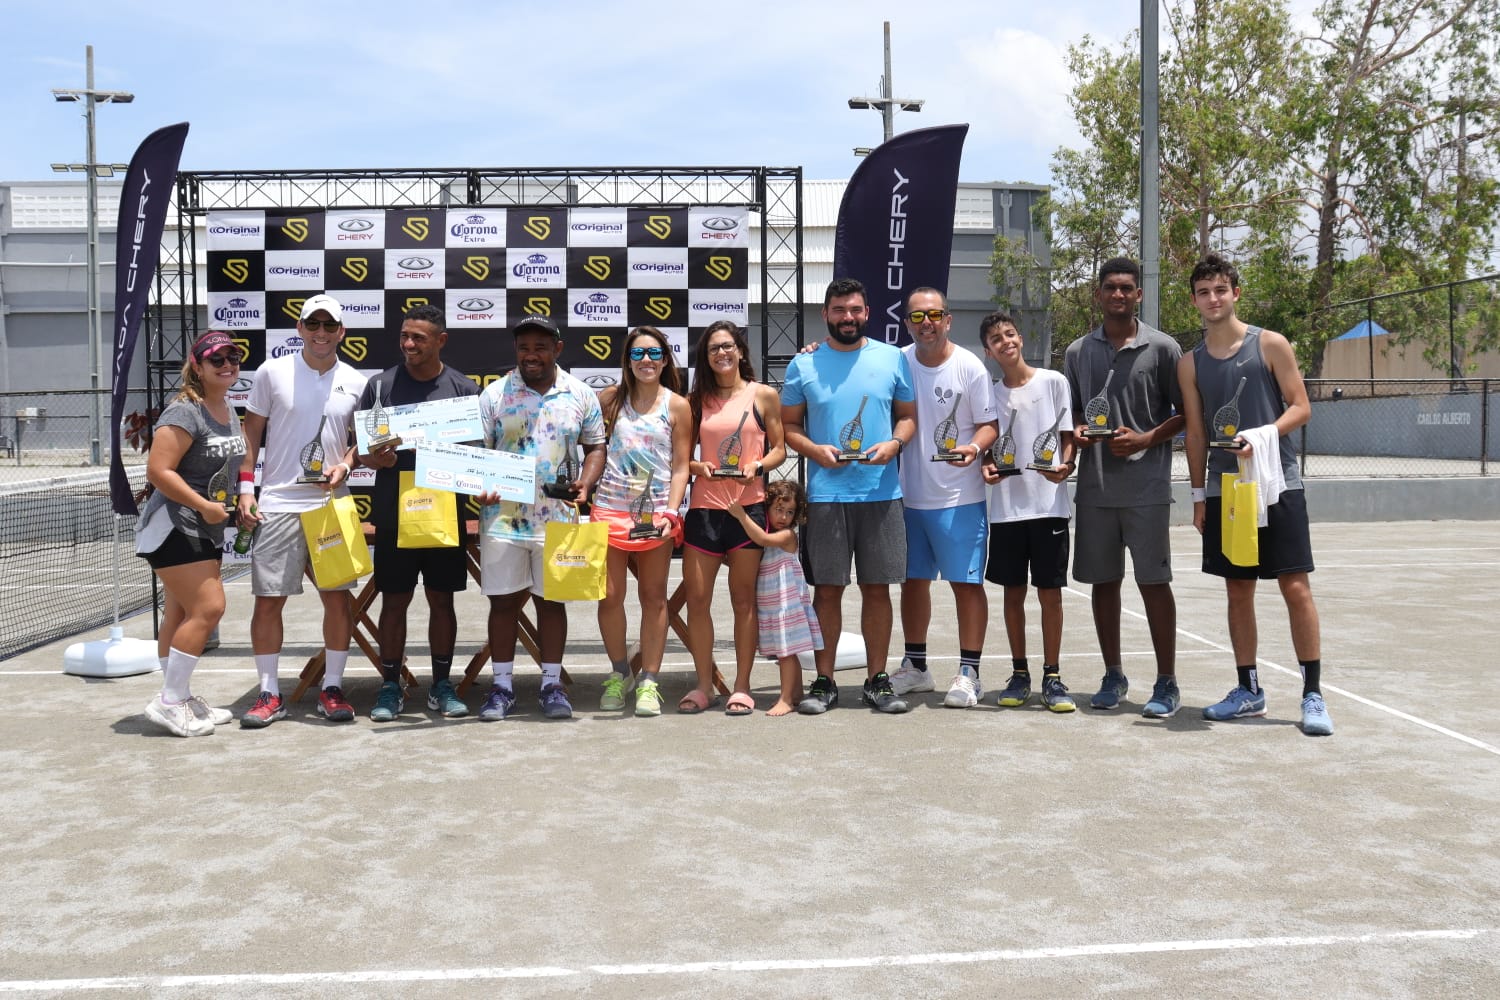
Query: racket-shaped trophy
point(311, 457)
point(1044, 448)
point(946, 435)
point(562, 487)
point(378, 425)
point(731, 451)
point(1226, 422)
point(853, 435)
point(641, 511)
point(1004, 451)
point(1096, 413)
point(218, 485)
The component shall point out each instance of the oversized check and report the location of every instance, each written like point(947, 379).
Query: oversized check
point(439, 421)
point(459, 468)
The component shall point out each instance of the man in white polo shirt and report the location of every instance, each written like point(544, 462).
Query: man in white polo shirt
point(296, 399)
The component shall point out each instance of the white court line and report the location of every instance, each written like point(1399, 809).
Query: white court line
point(752, 965)
point(1471, 741)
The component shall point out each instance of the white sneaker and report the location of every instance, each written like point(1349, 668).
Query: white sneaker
point(909, 679)
point(203, 710)
point(965, 692)
point(179, 720)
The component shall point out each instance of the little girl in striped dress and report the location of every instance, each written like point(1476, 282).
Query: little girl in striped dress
point(784, 612)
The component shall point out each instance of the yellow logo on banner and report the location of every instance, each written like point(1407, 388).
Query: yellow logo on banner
point(720, 267)
point(539, 226)
point(599, 346)
point(358, 348)
point(237, 270)
point(357, 268)
point(417, 300)
point(477, 268)
point(659, 306)
point(243, 343)
point(416, 228)
point(362, 504)
point(293, 308)
point(295, 229)
point(472, 506)
point(659, 226)
point(598, 267)
point(539, 306)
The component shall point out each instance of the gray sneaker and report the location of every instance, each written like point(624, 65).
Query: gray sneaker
point(822, 695)
point(1165, 700)
point(443, 698)
point(879, 696)
point(909, 680)
point(1111, 690)
point(388, 703)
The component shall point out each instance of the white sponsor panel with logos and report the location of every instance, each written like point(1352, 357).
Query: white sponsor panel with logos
point(596, 227)
point(706, 305)
point(605, 307)
point(351, 230)
point(414, 268)
point(280, 343)
point(657, 267)
point(718, 226)
point(476, 307)
point(469, 227)
point(237, 230)
point(294, 269)
point(237, 310)
point(362, 309)
point(542, 268)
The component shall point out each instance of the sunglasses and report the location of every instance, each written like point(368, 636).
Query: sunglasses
point(227, 358)
point(329, 325)
point(642, 353)
point(935, 315)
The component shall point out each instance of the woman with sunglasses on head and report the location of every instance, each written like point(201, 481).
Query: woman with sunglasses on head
point(737, 425)
point(196, 450)
point(649, 434)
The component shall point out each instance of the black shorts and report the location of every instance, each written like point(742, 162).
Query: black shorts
point(1040, 543)
point(180, 548)
point(1285, 545)
point(718, 533)
point(397, 569)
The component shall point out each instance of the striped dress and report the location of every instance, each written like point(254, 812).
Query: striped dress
point(784, 613)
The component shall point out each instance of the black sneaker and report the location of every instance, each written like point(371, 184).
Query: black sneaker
point(1055, 694)
point(1017, 692)
point(821, 696)
point(880, 696)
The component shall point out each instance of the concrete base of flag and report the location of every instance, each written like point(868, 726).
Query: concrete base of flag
point(850, 654)
point(116, 656)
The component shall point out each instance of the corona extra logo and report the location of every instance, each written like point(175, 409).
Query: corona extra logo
point(357, 348)
point(362, 504)
point(659, 226)
point(417, 300)
point(598, 266)
point(237, 270)
point(417, 228)
point(295, 229)
point(599, 346)
point(293, 308)
point(477, 268)
point(356, 268)
point(719, 267)
point(243, 343)
point(659, 306)
point(539, 227)
point(539, 306)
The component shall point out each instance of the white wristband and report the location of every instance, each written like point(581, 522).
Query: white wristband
point(247, 489)
point(1198, 493)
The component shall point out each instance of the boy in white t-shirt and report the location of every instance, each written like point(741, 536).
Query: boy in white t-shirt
point(1029, 509)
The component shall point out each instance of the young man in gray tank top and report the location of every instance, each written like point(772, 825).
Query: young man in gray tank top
point(1255, 372)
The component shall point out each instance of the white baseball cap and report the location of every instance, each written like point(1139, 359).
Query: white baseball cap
point(328, 304)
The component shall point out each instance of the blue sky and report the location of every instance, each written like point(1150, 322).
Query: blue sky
point(274, 85)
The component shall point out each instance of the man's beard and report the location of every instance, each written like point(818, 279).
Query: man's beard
point(833, 331)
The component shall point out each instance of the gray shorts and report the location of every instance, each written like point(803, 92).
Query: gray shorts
point(1102, 534)
point(873, 534)
point(279, 559)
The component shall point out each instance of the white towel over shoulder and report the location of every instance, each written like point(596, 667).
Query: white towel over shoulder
point(1264, 466)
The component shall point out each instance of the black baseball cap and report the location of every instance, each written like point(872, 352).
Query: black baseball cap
point(538, 322)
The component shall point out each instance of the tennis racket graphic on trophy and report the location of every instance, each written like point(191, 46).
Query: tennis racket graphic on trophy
point(378, 424)
point(731, 450)
point(1227, 421)
point(853, 435)
point(946, 435)
point(561, 488)
point(1004, 452)
point(311, 457)
point(1096, 413)
point(641, 509)
point(1044, 448)
point(218, 485)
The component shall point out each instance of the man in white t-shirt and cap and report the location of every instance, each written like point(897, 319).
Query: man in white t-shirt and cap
point(298, 400)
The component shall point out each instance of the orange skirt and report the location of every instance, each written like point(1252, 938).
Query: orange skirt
point(620, 524)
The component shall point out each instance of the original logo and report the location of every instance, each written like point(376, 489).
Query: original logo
point(477, 268)
point(659, 226)
point(539, 306)
point(356, 268)
point(720, 223)
point(659, 306)
point(356, 225)
point(599, 346)
point(237, 270)
point(357, 348)
point(476, 304)
point(539, 227)
point(598, 266)
point(295, 229)
point(293, 308)
point(720, 267)
point(416, 228)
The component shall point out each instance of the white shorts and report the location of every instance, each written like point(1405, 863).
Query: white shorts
point(507, 567)
point(279, 559)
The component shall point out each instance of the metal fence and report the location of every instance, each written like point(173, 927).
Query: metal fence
point(44, 435)
point(1446, 330)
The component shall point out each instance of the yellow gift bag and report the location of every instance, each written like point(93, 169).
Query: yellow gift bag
point(574, 560)
point(425, 518)
point(1239, 532)
point(336, 542)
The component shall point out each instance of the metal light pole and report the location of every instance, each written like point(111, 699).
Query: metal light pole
point(885, 103)
point(1150, 167)
point(92, 171)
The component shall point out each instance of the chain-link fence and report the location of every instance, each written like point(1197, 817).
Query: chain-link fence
point(1399, 428)
point(46, 435)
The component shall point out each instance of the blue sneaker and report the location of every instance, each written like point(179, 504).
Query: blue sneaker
point(1239, 703)
point(388, 703)
point(444, 698)
point(1315, 720)
point(555, 704)
point(1111, 689)
point(498, 705)
point(1165, 700)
